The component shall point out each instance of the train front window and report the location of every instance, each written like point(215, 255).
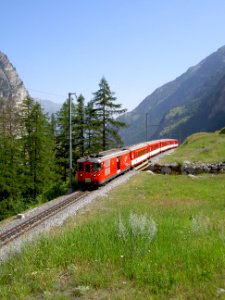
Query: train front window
point(96, 167)
point(80, 167)
point(88, 168)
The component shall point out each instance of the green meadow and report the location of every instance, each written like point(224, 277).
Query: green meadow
point(155, 237)
point(200, 147)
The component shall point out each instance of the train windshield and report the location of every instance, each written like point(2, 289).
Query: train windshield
point(80, 167)
point(88, 168)
point(96, 167)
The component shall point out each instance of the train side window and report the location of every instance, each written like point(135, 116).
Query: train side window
point(96, 167)
point(80, 167)
point(88, 168)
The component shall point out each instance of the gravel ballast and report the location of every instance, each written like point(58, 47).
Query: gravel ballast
point(59, 218)
point(56, 220)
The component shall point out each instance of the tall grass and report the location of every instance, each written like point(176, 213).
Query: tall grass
point(154, 238)
point(200, 147)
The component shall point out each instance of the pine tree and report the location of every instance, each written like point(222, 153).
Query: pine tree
point(62, 139)
point(92, 129)
point(10, 192)
point(38, 155)
point(105, 107)
point(79, 127)
point(9, 127)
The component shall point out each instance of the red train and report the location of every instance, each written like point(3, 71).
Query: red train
point(97, 169)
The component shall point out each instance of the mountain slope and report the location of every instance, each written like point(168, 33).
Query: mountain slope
point(177, 102)
point(205, 113)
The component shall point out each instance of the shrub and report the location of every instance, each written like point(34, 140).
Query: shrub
point(222, 131)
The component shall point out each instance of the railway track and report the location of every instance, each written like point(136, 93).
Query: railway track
point(18, 230)
point(31, 222)
point(142, 166)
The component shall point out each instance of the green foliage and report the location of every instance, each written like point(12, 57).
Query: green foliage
point(80, 127)
point(93, 140)
point(26, 156)
point(38, 155)
point(62, 141)
point(106, 108)
point(10, 166)
point(55, 191)
point(222, 131)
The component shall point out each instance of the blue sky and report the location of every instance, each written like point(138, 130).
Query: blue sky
point(61, 46)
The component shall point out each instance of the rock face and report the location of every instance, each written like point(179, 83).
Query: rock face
point(11, 86)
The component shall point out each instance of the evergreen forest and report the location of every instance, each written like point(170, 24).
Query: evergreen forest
point(34, 147)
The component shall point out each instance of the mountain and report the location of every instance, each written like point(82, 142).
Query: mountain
point(11, 86)
point(195, 101)
point(48, 106)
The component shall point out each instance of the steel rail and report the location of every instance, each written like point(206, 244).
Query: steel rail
point(18, 230)
point(31, 222)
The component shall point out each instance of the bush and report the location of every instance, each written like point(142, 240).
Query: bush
point(222, 131)
point(55, 191)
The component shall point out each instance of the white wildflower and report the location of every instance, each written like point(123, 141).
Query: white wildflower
point(151, 229)
point(122, 232)
point(200, 224)
point(134, 224)
point(138, 226)
point(142, 226)
point(220, 291)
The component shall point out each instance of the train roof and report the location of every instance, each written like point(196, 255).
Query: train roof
point(103, 155)
point(140, 145)
point(144, 144)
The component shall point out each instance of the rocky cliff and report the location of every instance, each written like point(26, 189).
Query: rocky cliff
point(11, 86)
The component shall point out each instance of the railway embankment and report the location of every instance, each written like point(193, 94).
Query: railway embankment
point(187, 167)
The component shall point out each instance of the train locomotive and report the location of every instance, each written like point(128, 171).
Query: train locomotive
point(99, 168)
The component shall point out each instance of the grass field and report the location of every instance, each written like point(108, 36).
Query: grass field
point(155, 237)
point(200, 147)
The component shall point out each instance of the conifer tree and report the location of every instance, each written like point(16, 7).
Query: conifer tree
point(106, 109)
point(93, 142)
point(79, 127)
point(10, 192)
point(9, 154)
point(38, 155)
point(62, 139)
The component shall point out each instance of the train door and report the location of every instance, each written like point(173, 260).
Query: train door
point(118, 163)
point(107, 168)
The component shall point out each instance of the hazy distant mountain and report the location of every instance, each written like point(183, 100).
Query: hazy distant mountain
point(11, 86)
point(49, 106)
point(195, 101)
